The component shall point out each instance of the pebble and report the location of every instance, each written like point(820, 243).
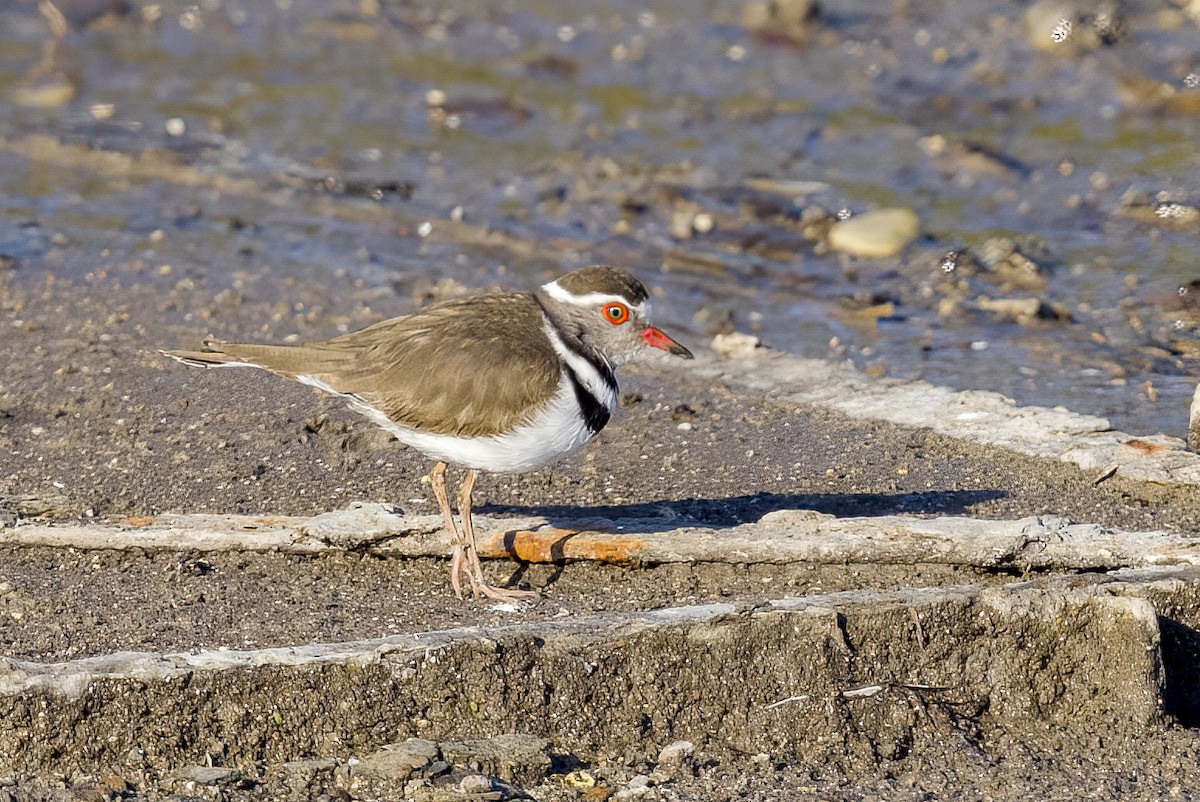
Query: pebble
point(1161, 209)
point(310, 765)
point(475, 784)
point(676, 752)
point(1007, 265)
point(512, 757)
point(1022, 310)
point(788, 18)
point(208, 775)
point(398, 761)
point(580, 779)
point(736, 345)
point(54, 92)
point(638, 785)
point(876, 234)
point(1070, 27)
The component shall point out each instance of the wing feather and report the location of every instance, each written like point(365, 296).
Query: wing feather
point(468, 367)
point(471, 367)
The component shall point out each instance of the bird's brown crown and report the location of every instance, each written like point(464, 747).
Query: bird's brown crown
point(604, 279)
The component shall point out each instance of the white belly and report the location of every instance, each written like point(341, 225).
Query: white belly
point(557, 429)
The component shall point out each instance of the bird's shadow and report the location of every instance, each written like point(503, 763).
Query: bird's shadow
point(663, 516)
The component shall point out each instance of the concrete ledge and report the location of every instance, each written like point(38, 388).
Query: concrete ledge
point(822, 680)
point(979, 417)
point(781, 537)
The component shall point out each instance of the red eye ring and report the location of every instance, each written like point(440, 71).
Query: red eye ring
point(615, 314)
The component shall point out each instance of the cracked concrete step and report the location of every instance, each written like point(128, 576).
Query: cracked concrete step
point(820, 680)
point(977, 416)
point(780, 537)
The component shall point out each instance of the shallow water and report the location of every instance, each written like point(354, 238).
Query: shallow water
point(392, 146)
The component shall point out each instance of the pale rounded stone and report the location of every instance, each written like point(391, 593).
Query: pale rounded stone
point(676, 752)
point(876, 234)
point(736, 345)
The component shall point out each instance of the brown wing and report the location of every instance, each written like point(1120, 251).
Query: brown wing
point(469, 367)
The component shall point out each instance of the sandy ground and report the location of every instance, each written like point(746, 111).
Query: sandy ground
point(94, 423)
point(90, 413)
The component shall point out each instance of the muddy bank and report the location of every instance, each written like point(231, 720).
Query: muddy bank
point(850, 684)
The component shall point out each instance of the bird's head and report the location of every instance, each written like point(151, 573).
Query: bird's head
point(608, 309)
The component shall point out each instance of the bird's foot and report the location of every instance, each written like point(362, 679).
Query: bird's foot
point(478, 587)
point(481, 588)
point(461, 565)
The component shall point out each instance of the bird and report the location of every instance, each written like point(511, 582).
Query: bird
point(498, 382)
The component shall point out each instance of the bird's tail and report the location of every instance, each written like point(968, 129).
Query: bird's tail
point(286, 360)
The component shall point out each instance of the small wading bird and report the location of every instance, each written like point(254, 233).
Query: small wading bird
point(503, 382)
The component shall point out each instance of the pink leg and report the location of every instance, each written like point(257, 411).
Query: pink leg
point(475, 568)
point(437, 478)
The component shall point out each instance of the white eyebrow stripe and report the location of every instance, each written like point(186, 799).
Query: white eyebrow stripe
point(592, 298)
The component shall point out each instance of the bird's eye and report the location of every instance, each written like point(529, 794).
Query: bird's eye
point(616, 314)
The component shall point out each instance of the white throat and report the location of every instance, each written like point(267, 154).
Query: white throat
point(601, 390)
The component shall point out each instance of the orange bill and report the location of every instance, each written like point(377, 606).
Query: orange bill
point(656, 339)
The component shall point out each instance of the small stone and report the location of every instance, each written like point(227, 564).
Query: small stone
point(877, 234)
point(681, 224)
point(208, 775)
point(513, 757)
point(736, 345)
point(638, 786)
point(398, 761)
point(475, 784)
point(788, 18)
point(1005, 263)
point(676, 752)
point(1070, 27)
point(580, 779)
point(311, 766)
point(1019, 309)
point(683, 412)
